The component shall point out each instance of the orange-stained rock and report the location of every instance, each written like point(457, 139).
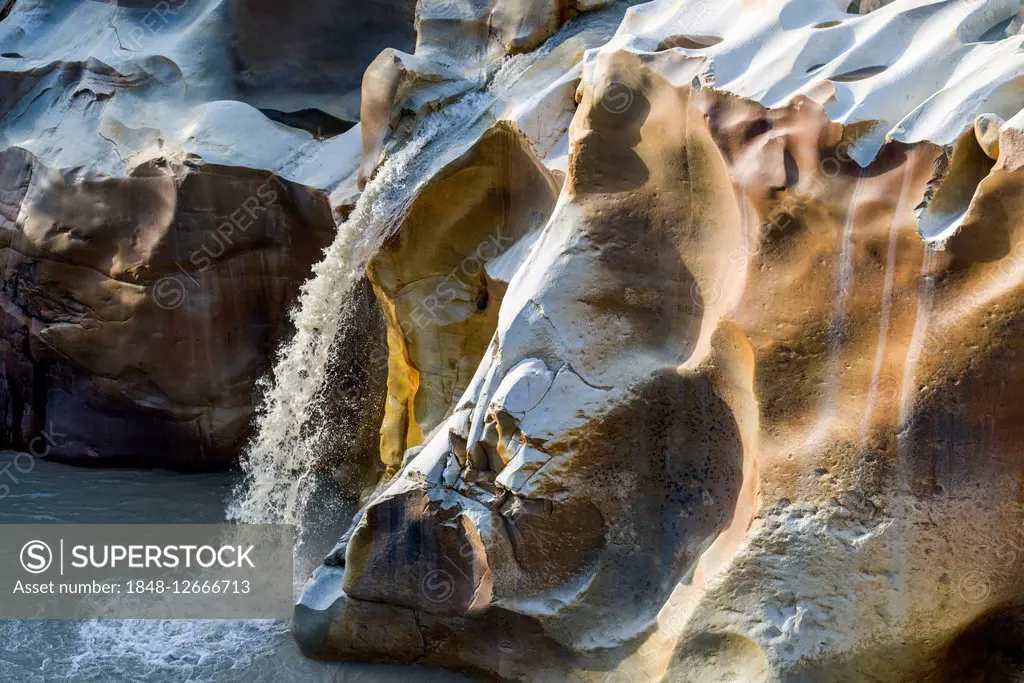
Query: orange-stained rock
point(442, 278)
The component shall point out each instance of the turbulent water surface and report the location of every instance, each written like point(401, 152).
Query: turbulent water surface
point(150, 651)
point(291, 430)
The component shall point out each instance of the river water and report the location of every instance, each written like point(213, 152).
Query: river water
point(151, 651)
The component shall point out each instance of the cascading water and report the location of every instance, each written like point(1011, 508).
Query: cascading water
point(279, 465)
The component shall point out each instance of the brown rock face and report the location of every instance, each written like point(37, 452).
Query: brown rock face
point(138, 312)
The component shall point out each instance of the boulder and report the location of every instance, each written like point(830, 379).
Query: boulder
point(139, 312)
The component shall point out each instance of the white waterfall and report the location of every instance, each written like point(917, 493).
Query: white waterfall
point(279, 465)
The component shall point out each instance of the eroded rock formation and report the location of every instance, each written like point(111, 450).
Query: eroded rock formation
point(445, 275)
point(746, 411)
point(702, 319)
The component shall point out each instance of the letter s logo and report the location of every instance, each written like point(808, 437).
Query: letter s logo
point(36, 557)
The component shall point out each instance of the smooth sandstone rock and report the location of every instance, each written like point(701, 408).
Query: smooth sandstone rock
point(396, 82)
point(986, 129)
point(745, 415)
point(442, 278)
point(457, 45)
